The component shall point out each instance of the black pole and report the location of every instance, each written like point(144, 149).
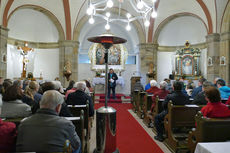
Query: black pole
point(107, 46)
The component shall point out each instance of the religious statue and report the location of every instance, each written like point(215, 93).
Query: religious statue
point(67, 70)
point(24, 51)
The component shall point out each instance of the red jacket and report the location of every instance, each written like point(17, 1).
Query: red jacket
point(153, 90)
point(161, 93)
point(215, 110)
point(7, 136)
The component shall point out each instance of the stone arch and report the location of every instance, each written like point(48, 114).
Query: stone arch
point(84, 19)
point(225, 23)
point(170, 18)
point(49, 14)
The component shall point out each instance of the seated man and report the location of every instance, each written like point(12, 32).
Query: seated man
point(199, 88)
point(79, 97)
point(177, 98)
point(224, 90)
point(200, 97)
point(214, 107)
point(45, 131)
point(7, 135)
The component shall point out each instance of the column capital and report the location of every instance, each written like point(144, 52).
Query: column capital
point(68, 43)
point(215, 37)
point(225, 36)
point(148, 46)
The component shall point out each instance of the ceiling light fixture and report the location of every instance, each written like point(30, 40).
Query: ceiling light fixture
point(145, 11)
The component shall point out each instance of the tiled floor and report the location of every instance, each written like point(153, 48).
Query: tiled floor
point(148, 130)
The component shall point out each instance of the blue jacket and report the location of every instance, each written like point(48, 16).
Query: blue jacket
point(224, 92)
point(147, 86)
point(196, 91)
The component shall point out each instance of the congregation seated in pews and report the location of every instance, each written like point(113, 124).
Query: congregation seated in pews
point(175, 121)
point(34, 114)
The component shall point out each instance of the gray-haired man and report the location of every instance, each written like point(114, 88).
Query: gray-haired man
point(46, 131)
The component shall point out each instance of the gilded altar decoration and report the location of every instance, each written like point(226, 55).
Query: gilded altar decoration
point(187, 62)
point(24, 52)
point(67, 70)
point(117, 56)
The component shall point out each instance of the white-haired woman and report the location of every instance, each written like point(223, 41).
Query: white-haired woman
point(153, 88)
point(161, 93)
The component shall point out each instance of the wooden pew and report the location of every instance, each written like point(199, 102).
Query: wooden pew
point(92, 94)
point(76, 110)
point(79, 127)
point(178, 122)
point(134, 101)
point(77, 121)
point(209, 130)
point(147, 110)
point(140, 102)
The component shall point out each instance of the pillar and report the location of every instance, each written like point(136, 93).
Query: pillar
point(3, 50)
point(68, 58)
point(148, 56)
point(213, 52)
point(225, 51)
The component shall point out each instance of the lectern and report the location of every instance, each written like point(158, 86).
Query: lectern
point(106, 116)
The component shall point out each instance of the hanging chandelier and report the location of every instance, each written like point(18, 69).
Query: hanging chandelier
point(101, 9)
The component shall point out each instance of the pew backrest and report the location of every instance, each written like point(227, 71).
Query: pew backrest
point(79, 127)
point(182, 115)
point(212, 129)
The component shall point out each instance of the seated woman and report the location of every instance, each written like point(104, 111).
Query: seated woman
point(214, 107)
point(8, 134)
point(13, 107)
point(153, 88)
point(162, 93)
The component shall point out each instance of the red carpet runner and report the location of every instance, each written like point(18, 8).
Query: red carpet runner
point(131, 137)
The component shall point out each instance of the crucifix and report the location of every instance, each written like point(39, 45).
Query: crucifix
point(24, 51)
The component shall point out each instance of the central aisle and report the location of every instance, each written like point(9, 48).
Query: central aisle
point(131, 137)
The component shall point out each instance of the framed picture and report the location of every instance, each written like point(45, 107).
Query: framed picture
point(222, 60)
point(187, 65)
point(117, 55)
point(210, 62)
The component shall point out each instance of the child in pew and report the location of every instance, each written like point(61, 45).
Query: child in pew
point(214, 108)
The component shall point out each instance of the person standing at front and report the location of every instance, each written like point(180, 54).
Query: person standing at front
point(112, 77)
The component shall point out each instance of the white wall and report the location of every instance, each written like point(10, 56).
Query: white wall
point(116, 28)
point(164, 65)
point(86, 73)
point(180, 29)
point(30, 25)
point(46, 61)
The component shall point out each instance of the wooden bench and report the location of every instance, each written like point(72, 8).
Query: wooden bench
point(76, 110)
point(209, 130)
point(79, 127)
point(134, 101)
point(178, 122)
point(77, 121)
point(140, 102)
point(147, 110)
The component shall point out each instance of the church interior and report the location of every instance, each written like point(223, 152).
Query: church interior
point(163, 40)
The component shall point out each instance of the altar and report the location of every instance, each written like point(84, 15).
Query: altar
point(99, 84)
